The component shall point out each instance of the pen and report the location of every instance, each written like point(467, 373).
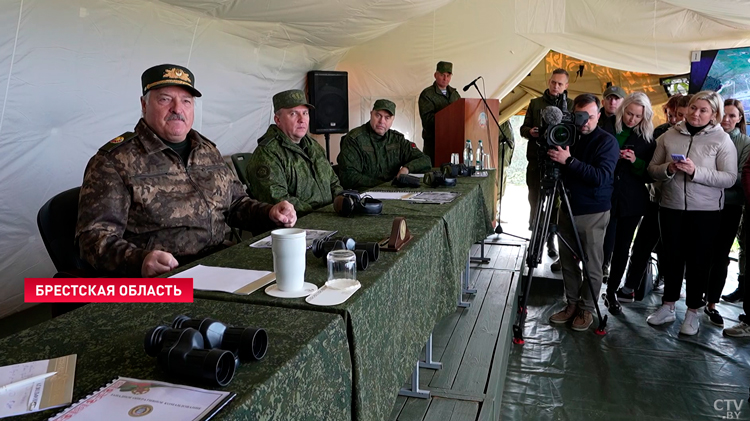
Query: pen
point(26, 381)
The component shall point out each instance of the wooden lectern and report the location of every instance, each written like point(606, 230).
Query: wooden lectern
point(465, 119)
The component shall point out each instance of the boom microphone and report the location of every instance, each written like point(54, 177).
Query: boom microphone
point(552, 115)
point(466, 88)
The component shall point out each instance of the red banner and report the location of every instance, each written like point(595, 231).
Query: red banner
point(108, 290)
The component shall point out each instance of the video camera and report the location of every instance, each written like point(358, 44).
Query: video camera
point(560, 127)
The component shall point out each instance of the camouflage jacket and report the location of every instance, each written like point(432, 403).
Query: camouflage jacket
point(432, 100)
point(299, 173)
point(367, 159)
point(138, 196)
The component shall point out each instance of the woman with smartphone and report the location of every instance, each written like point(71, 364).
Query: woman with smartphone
point(734, 199)
point(695, 161)
point(633, 130)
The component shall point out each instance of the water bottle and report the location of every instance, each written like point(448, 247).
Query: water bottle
point(480, 156)
point(468, 154)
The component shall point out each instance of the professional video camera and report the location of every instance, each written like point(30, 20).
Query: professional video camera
point(560, 127)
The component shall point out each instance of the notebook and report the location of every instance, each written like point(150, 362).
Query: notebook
point(50, 391)
point(124, 399)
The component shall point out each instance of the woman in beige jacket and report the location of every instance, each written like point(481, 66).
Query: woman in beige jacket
point(695, 161)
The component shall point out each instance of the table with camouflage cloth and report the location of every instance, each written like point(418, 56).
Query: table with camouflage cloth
point(403, 295)
point(306, 374)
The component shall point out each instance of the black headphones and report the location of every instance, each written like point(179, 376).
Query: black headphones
point(350, 201)
point(438, 179)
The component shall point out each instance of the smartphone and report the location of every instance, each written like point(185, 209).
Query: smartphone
point(624, 147)
point(678, 157)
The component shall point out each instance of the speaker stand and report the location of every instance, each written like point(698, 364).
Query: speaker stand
point(328, 146)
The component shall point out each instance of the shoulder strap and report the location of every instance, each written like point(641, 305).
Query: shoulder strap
point(117, 142)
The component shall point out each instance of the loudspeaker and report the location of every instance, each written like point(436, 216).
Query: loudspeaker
point(329, 94)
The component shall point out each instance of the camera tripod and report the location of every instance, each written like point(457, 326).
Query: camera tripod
point(551, 185)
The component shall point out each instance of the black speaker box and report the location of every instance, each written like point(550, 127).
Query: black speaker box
point(328, 93)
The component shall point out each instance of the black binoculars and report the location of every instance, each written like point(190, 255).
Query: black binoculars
point(204, 348)
point(364, 252)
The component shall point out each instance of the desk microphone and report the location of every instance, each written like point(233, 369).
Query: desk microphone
point(466, 88)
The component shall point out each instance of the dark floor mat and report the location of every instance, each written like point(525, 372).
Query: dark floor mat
point(635, 372)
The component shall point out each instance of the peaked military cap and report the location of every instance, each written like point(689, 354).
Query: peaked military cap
point(384, 104)
point(290, 99)
point(168, 75)
point(444, 67)
point(614, 90)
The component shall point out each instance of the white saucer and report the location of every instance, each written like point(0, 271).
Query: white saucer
point(333, 293)
point(307, 289)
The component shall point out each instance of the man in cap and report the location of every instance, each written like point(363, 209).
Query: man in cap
point(555, 96)
point(611, 99)
point(373, 153)
point(433, 99)
point(163, 192)
point(288, 164)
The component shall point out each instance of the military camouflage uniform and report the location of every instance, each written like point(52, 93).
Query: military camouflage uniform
point(138, 196)
point(299, 173)
point(368, 159)
point(432, 100)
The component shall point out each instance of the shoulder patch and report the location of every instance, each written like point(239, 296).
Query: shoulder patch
point(263, 171)
point(118, 141)
point(413, 145)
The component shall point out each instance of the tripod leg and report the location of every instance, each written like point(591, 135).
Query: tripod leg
point(600, 330)
point(539, 233)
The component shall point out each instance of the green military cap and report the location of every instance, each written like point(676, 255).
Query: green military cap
point(168, 75)
point(445, 67)
point(290, 99)
point(384, 104)
point(614, 90)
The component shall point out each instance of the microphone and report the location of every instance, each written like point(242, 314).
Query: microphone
point(552, 115)
point(466, 88)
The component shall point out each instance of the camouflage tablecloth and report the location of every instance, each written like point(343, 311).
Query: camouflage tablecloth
point(306, 374)
point(403, 295)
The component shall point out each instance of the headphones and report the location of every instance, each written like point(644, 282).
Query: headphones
point(350, 201)
point(438, 179)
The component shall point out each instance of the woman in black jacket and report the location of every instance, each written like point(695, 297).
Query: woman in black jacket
point(630, 199)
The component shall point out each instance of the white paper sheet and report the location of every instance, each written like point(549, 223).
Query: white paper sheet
point(211, 278)
point(388, 195)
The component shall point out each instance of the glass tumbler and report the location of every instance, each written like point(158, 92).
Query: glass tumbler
point(455, 159)
point(342, 266)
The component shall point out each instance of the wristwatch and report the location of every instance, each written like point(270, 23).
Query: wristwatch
point(569, 160)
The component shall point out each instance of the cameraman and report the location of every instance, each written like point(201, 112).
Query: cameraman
point(588, 171)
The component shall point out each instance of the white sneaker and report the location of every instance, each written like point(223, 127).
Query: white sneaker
point(691, 324)
point(664, 314)
point(741, 330)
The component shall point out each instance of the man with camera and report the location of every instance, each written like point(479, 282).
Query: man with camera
point(373, 153)
point(556, 96)
point(587, 168)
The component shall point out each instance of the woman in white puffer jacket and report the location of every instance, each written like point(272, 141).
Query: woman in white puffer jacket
point(692, 196)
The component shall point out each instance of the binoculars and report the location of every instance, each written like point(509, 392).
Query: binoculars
point(205, 349)
point(364, 252)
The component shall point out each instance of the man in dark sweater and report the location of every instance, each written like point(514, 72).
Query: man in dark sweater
point(588, 172)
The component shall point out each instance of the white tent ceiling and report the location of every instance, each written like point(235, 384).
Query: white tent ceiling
point(70, 71)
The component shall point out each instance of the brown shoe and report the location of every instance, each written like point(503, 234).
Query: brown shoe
point(583, 321)
point(565, 315)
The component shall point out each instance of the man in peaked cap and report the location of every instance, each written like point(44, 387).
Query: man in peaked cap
point(162, 196)
point(288, 164)
point(433, 99)
point(611, 99)
point(373, 153)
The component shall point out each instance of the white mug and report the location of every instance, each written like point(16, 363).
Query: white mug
point(289, 246)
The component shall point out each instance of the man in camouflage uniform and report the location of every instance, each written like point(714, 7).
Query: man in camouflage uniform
point(288, 164)
point(163, 192)
point(433, 99)
point(372, 153)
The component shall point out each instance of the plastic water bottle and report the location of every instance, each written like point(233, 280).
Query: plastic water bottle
point(468, 154)
point(480, 156)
